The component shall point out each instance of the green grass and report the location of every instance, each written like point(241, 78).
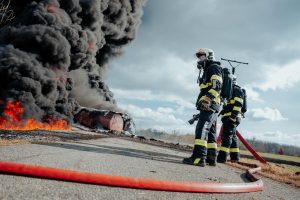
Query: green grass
point(275, 156)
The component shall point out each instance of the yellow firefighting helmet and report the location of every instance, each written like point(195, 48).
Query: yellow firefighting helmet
point(205, 51)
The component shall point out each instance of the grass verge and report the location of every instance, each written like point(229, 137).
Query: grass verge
point(273, 156)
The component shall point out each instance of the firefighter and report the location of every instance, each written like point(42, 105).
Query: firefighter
point(231, 117)
point(208, 103)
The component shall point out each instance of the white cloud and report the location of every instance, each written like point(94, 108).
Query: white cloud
point(148, 95)
point(266, 113)
point(281, 77)
point(159, 115)
point(162, 118)
point(165, 110)
point(252, 94)
point(167, 77)
point(276, 136)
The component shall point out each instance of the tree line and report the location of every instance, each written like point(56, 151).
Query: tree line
point(258, 145)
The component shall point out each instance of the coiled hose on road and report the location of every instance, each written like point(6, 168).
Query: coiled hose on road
point(129, 182)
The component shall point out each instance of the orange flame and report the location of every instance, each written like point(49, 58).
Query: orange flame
point(12, 121)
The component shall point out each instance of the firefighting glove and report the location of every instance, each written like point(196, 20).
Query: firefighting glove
point(204, 103)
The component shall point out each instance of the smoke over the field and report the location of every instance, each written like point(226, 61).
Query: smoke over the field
point(53, 53)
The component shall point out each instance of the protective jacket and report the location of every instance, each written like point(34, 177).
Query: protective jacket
point(211, 82)
point(232, 111)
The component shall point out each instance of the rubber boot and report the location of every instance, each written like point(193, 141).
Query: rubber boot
point(196, 158)
point(222, 157)
point(234, 157)
point(211, 157)
point(194, 161)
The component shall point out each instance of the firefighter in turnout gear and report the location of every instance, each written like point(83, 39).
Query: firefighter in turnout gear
point(208, 103)
point(231, 117)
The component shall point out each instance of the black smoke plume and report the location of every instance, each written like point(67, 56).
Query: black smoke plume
point(53, 53)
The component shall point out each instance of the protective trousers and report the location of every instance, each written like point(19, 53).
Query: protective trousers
point(234, 148)
point(229, 142)
point(205, 137)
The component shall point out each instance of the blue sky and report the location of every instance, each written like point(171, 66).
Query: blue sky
point(155, 78)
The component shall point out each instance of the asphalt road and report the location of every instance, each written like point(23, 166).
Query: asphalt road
point(120, 157)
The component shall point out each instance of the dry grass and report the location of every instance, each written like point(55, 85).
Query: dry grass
point(270, 170)
point(275, 156)
point(186, 139)
point(6, 142)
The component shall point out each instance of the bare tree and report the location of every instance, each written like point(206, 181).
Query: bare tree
point(6, 13)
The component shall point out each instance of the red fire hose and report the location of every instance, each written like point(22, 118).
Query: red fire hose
point(129, 182)
point(247, 145)
point(220, 135)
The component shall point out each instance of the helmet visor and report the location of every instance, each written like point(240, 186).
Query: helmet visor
point(199, 54)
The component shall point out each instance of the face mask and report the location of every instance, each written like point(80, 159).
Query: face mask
point(202, 57)
point(200, 64)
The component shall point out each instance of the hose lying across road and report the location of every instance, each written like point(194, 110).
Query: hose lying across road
point(129, 182)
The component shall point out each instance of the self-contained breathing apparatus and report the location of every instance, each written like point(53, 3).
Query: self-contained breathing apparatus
point(244, 108)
